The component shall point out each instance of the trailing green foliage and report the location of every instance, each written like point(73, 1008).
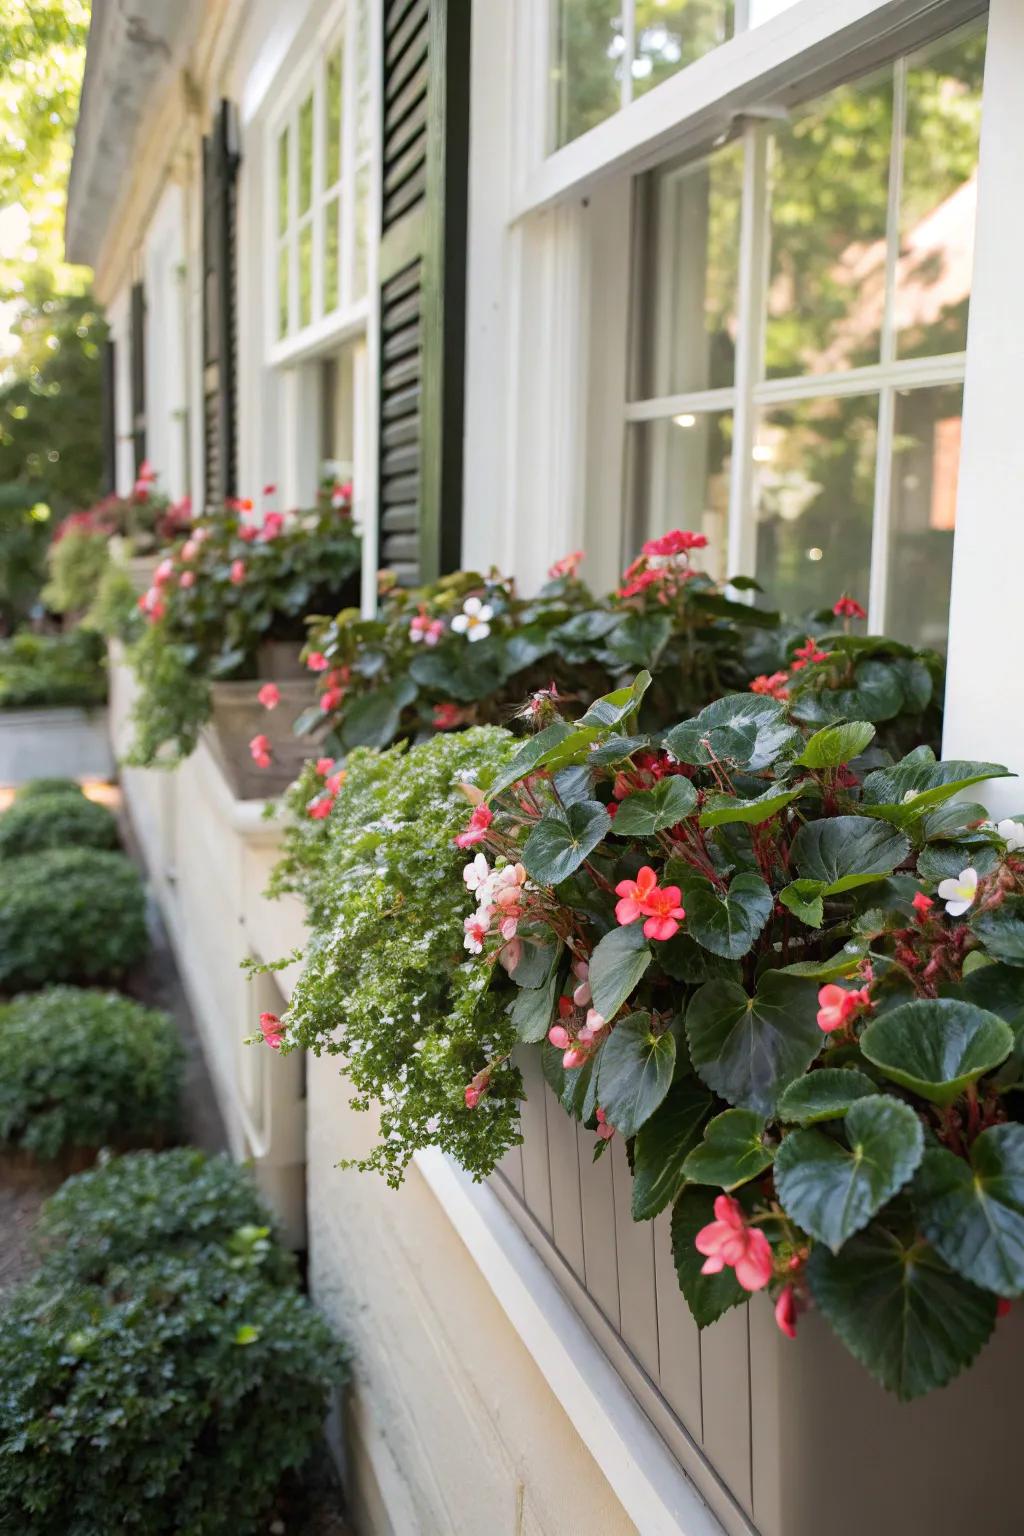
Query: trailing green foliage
point(64, 819)
point(86, 1069)
point(384, 985)
point(51, 670)
point(77, 562)
point(75, 914)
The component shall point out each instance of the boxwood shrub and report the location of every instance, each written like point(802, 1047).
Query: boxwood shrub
point(170, 1398)
point(52, 786)
point(147, 1202)
point(86, 1069)
point(52, 670)
point(71, 914)
point(63, 819)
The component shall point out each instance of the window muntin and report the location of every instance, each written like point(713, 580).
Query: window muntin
point(855, 280)
point(321, 183)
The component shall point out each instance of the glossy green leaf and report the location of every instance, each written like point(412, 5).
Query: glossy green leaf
point(682, 958)
point(655, 810)
point(618, 706)
point(662, 1145)
point(944, 861)
point(373, 720)
point(562, 840)
point(618, 962)
point(732, 1152)
point(635, 1072)
point(526, 759)
point(724, 810)
point(726, 922)
point(824, 1094)
point(707, 1296)
point(749, 1048)
point(804, 899)
point(900, 1310)
point(835, 968)
point(836, 744)
point(840, 851)
point(973, 1212)
point(928, 783)
point(748, 730)
point(640, 639)
point(936, 1046)
point(1001, 930)
point(533, 1009)
point(877, 695)
point(832, 1190)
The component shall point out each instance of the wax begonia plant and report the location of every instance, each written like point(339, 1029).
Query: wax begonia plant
point(235, 582)
point(792, 978)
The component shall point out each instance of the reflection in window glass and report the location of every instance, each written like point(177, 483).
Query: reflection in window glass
point(331, 248)
point(362, 231)
point(922, 514)
point(588, 59)
point(815, 492)
point(282, 291)
point(333, 118)
point(688, 306)
point(672, 33)
point(829, 198)
point(282, 182)
point(682, 477)
point(305, 274)
point(938, 196)
point(306, 154)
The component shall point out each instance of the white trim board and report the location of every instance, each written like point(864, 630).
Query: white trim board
point(642, 1472)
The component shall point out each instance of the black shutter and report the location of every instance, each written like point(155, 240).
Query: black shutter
point(422, 273)
point(220, 320)
point(138, 372)
point(108, 419)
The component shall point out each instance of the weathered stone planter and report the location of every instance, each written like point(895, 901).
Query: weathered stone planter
point(41, 743)
point(238, 716)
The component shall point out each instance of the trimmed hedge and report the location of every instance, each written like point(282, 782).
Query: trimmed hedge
point(40, 671)
point(73, 914)
point(59, 820)
point(55, 786)
point(86, 1069)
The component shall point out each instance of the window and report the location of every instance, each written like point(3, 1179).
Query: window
point(320, 156)
point(801, 319)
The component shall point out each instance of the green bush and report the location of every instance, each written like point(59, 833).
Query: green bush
point(39, 670)
point(84, 1069)
point(55, 786)
point(113, 611)
point(77, 561)
point(170, 1398)
point(147, 1202)
point(72, 914)
point(61, 820)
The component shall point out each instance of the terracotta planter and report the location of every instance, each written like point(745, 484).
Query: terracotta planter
point(238, 716)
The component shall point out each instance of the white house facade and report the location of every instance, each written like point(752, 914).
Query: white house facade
point(541, 275)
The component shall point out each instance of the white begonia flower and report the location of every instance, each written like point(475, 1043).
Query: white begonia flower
point(476, 872)
point(475, 619)
point(1012, 834)
point(910, 795)
point(958, 894)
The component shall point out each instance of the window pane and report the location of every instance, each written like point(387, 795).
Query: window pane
point(362, 230)
point(672, 33)
point(282, 291)
point(688, 307)
point(939, 194)
point(814, 497)
point(306, 154)
point(682, 476)
point(282, 182)
point(331, 244)
point(588, 52)
point(922, 514)
point(829, 195)
point(306, 273)
point(333, 123)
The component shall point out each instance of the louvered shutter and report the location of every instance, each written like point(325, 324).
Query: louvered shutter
point(137, 341)
point(220, 327)
point(422, 272)
point(108, 418)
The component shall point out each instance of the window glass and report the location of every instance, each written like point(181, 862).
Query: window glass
point(922, 513)
point(362, 230)
point(331, 249)
point(688, 305)
point(282, 291)
point(305, 274)
point(814, 499)
point(306, 155)
point(938, 196)
point(588, 60)
point(282, 182)
point(682, 468)
point(669, 34)
point(829, 194)
point(332, 89)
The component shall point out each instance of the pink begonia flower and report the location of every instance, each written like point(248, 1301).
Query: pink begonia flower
point(582, 995)
point(248, 532)
point(807, 655)
point(558, 1035)
point(566, 566)
point(786, 1312)
point(848, 608)
point(774, 685)
point(190, 548)
point(336, 780)
point(728, 1241)
point(510, 953)
point(448, 717)
point(331, 698)
point(422, 628)
point(163, 572)
point(259, 749)
point(269, 695)
point(472, 1096)
point(270, 490)
point(959, 893)
point(476, 928)
point(237, 572)
point(643, 897)
point(476, 830)
point(324, 766)
point(273, 524)
point(272, 1030)
point(320, 807)
point(316, 661)
point(187, 580)
point(341, 495)
point(837, 1006)
point(592, 1027)
point(678, 542)
point(574, 1057)
point(922, 905)
point(604, 1130)
point(633, 894)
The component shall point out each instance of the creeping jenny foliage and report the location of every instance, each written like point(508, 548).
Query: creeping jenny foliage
point(385, 985)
